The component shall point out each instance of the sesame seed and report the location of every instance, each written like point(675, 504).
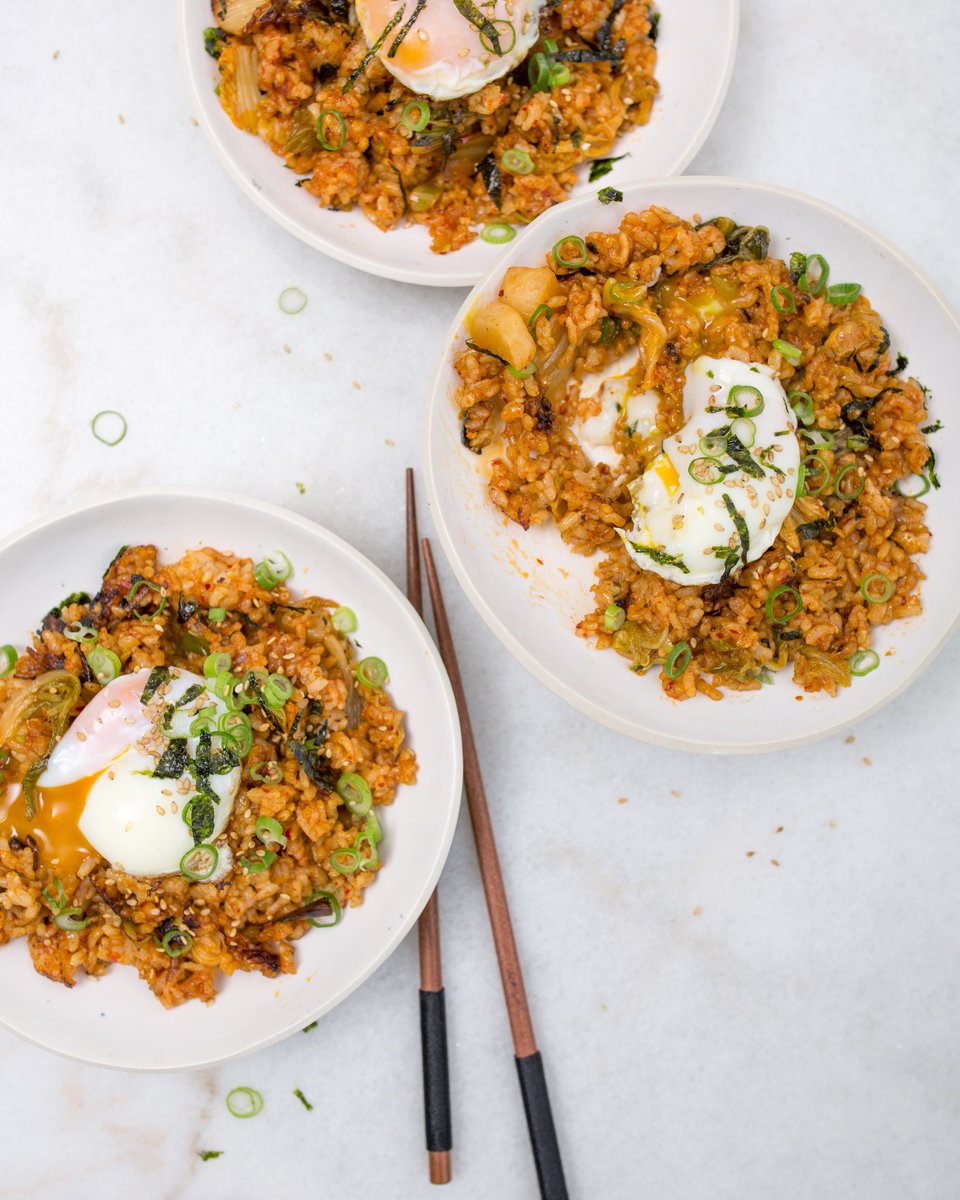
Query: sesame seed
point(81, 736)
point(111, 775)
point(174, 807)
point(161, 811)
point(113, 704)
point(165, 792)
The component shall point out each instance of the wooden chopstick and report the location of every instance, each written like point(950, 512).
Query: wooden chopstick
point(533, 1084)
point(433, 1020)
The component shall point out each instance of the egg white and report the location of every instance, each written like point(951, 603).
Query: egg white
point(442, 56)
point(135, 821)
point(686, 521)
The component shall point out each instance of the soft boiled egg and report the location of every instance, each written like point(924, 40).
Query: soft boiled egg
point(100, 777)
point(717, 494)
point(609, 399)
point(442, 53)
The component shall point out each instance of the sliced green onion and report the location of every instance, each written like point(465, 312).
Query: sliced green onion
point(292, 301)
point(613, 618)
point(517, 162)
point(814, 286)
point(523, 372)
point(714, 444)
point(842, 294)
point(244, 1102)
point(416, 115)
point(706, 470)
point(575, 254)
point(783, 299)
point(56, 903)
point(264, 577)
point(104, 664)
point(863, 662)
point(791, 353)
point(748, 399)
point(8, 660)
point(745, 431)
point(216, 615)
point(335, 911)
point(559, 75)
point(341, 129)
point(504, 48)
point(223, 686)
point(80, 633)
point(498, 232)
point(856, 442)
point(372, 672)
point(121, 433)
point(175, 942)
point(278, 565)
point(153, 587)
point(915, 494)
point(868, 588)
point(609, 328)
point(627, 291)
point(355, 793)
point(254, 866)
point(841, 491)
point(542, 310)
point(236, 726)
point(423, 197)
point(277, 690)
point(803, 488)
point(270, 832)
point(372, 835)
point(205, 721)
point(802, 405)
point(783, 590)
point(71, 920)
point(217, 664)
point(344, 619)
point(539, 72)
point(678, 660)
point(820, 439)
point(345, 861)
point(199, 863)
point(275, 772)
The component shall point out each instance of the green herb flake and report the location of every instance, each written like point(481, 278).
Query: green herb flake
point(303, 1100)
point(934, 428)
point(301, 487)
point(609, 195)
point(213, 40)
point(654, 20)
point(207, 1155)
point(312, 1025)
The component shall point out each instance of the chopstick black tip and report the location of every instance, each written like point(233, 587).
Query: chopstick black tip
point(436, 1074)
point(543, 1135)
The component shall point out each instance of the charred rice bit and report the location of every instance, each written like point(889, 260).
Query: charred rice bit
point(228, 919)
point(695, 305)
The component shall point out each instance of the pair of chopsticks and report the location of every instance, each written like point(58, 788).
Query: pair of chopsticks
point(533, 1084)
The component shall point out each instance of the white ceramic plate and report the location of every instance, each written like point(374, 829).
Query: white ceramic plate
point(116, 1021)
point(696, 45)
point(531, 590)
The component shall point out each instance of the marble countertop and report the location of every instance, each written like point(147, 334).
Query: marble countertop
point(714, 1024)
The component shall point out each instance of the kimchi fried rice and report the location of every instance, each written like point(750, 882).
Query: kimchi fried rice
point(308, 734)
point(298, 74)
point(670, 291)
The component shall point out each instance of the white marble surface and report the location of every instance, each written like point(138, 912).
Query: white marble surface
point(797, 1038)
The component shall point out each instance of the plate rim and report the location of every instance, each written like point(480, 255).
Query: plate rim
point(410, 918)
point(372, 266)
point(541, 672)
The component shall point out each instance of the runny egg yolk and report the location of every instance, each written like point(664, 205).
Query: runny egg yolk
point(56, 827)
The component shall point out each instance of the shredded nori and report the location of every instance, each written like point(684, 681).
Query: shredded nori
point(662, 557)
point(743, 533)
point(603, 166)
point(158, 676)
point(609, 195)
point(420, 6)
point(185, 609)
point(748, 243)
point(214, 762)
point(202, 817)
point(271, 714)
point(813, 529)
point(742, 457)
point(492, 178)
point(213, 39)
point(374, 49)
point(173, 761)
point(469, 11)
